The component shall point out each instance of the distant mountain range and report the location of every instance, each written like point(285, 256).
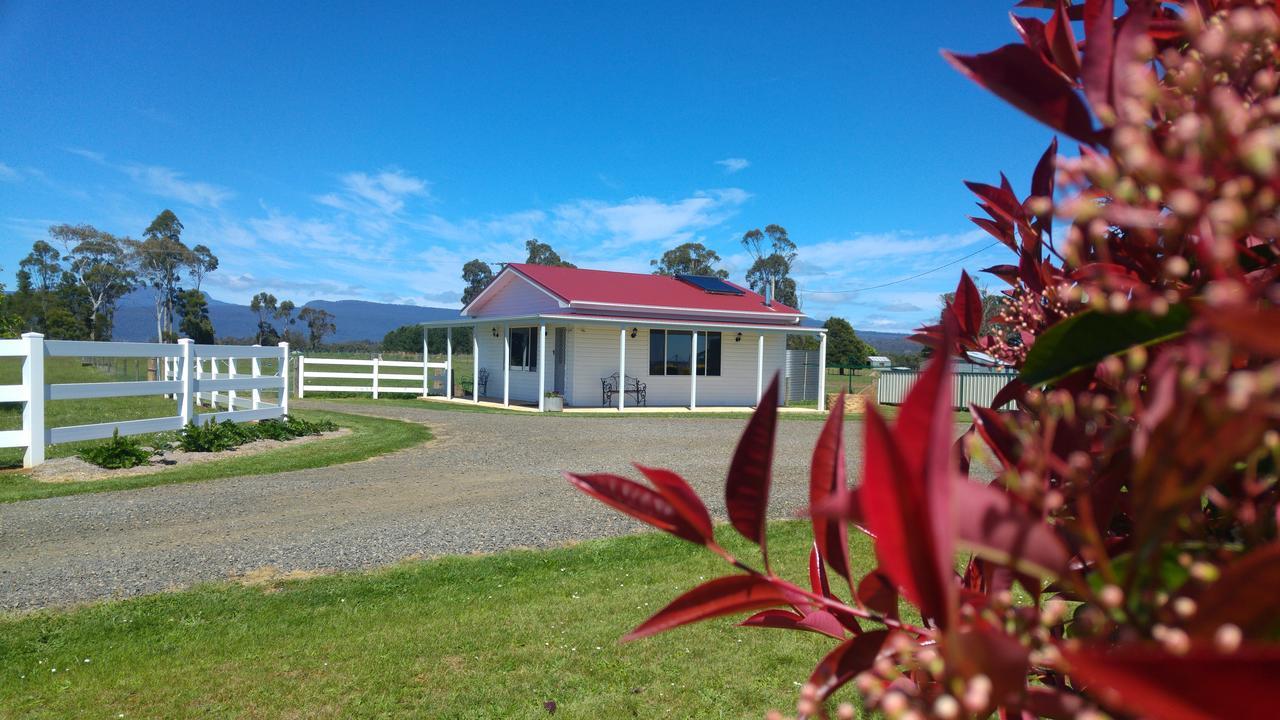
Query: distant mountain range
point(356, 320)
point(888, 343)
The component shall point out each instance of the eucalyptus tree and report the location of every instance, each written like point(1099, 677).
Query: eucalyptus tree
point(99, 264)
point(691, 258)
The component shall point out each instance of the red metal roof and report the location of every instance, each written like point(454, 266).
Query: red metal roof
point(621, 288)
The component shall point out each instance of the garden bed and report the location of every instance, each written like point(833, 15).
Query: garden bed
point(74, 469)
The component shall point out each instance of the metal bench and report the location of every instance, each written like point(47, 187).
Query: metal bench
point(630, 386)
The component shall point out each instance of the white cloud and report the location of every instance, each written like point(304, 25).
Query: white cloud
point(383, 192)
point(646, 220)
point(88, 154)
point(169, 183)
point(163, 181)
point(8, 174)
point(733, 164)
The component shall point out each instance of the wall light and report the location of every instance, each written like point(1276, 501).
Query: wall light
point(738, 338)
point(633, 333)
point(495, 332)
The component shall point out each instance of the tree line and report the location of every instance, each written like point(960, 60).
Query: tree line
point(69, 287)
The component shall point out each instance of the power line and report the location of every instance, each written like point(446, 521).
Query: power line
point(901, 280)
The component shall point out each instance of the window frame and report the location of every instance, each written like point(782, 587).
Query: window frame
point(527, 360)
point(705, 361)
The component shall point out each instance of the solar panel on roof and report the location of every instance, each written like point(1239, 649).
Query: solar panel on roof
point(710, 284)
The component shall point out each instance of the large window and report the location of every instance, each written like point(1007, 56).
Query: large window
point(670, 352)
point(524, 348)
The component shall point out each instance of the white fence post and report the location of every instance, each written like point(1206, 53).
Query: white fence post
point(186, 398)
point(426, 372)
point(213, 375)
point(284, 378)
point(231, 394)
point(302, 376)
point(448, 363)
point(822, 371)
point(255, 369)
point(33, 411)
point(376, 360)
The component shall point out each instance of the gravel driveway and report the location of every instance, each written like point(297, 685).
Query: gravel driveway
point(487, 482)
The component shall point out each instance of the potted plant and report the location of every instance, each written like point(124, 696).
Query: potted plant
point(553, 401)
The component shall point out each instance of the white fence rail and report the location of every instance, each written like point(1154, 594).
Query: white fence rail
point(376, 376)
point(186, 381)
point(978, 388)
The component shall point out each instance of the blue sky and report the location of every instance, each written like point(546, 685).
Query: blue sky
point(368, 151)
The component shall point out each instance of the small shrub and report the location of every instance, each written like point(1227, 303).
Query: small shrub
point(216, 437)
point(212, 437)
point(118, 452)
point(305, 427)
point(274, 430)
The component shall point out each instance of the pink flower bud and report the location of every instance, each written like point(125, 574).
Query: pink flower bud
point(1184, 607)
point(1227, 638)
point(946, 707)
point(1111, 596)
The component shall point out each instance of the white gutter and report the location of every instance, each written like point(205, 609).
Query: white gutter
point(637, 322)
point(586, 304)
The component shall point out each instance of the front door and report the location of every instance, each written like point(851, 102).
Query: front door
point(560, 354)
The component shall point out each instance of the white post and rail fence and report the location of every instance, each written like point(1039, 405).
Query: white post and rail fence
point(379, 372)
point(185, 379)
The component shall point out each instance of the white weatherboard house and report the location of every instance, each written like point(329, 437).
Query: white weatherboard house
point(622, 340)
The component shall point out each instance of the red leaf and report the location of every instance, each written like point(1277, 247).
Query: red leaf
point(814, 621)
point(1007, 273)
point(747, 488)
point(1201, 684)
point(849, 658)
point(1000, 231)
point(1014, 390)
point(985, 649)
point(1255, 330)
point(967, 306)
point(828, 484)
point(1000, 202)
point(639, 502)
point(1062, 42)
point(1245, 595)
point(878, 594)
point(993, 524)
point(722, 596)
point(1042, 178)
point(1017, 74)
point(907, 480)
point(817, 573)
point(991, 427)
point(818, 621)
point(1099, 42)
point(779, 619)
point(823, 623)
point(683, 499)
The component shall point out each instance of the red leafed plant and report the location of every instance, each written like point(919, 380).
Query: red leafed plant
point(1135, 499)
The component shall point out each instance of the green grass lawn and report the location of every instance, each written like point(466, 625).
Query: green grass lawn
point(369, 437)
point(468, 637)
